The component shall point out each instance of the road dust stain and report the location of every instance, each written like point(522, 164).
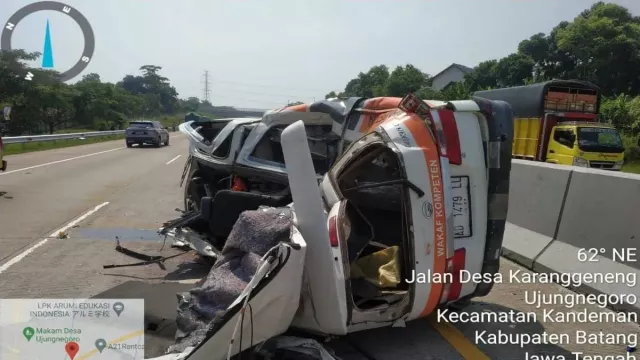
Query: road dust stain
point(109, 189)
point(123, 234)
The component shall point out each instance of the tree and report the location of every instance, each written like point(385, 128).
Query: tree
point(483, 76)
point(457, 91)
point(617, 111)
point(331, 95)
point(54, 104)
point(428, 93)
point(369, 84)
point(90, 77)
point(513, 70)
point(601, 39)
point(12, 72)
point(191, 104)
point(159, 95)
point(403, 80)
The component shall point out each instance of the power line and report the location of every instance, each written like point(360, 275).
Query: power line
point(206, 89)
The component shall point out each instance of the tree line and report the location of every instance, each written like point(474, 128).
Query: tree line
point(601, 46)
point(46, 105)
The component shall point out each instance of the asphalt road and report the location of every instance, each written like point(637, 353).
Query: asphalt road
point(97, 192)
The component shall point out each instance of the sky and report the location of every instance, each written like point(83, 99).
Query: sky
point(265, 53)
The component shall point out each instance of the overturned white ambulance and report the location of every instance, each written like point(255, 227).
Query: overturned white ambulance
point(418, 189)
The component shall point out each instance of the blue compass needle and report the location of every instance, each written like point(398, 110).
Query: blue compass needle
point(47, 57)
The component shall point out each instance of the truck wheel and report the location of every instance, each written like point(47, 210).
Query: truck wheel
point(129, 144)
point(158, 142)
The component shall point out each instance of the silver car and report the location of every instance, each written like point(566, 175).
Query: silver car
point(146, 132)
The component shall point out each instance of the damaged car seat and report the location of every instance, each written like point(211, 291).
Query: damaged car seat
point(225, 208)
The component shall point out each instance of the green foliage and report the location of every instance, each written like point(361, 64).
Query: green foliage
point(331, 95)
point(484, 76)
point(45, 104)
point(601, 45)
point(403, 80)
point(617, 111)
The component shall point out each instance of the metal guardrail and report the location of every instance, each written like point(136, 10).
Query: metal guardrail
point(54, 137)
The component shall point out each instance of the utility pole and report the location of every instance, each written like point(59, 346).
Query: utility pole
point(206, 89)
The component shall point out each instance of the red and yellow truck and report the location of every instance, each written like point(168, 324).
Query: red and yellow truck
point(556, 122)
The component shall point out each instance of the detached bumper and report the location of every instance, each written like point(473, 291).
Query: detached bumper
point(4, 165)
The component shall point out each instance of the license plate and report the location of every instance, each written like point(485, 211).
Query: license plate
point(461, 206)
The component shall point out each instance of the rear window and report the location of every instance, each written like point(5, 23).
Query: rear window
point(142, 125)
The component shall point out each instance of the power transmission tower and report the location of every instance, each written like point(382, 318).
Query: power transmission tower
point(206, 89)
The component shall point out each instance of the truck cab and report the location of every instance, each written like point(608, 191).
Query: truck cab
point(556, 122)
point(586, 144)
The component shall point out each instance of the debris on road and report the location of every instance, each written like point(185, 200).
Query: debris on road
point(146, 259)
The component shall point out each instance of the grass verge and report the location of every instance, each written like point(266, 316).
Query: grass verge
point(632, 167)
point(13, 149)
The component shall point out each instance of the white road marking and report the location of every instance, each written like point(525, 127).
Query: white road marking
point(60, 161)
point(174, 159)
point(24, 254)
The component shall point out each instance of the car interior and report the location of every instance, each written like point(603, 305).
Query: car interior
point(322, 144)
point(375, 226)
point(210, 129)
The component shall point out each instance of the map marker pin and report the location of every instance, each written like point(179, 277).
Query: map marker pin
point(118, 308)
point(28, 333)
point(101, 344)
point(72, 349)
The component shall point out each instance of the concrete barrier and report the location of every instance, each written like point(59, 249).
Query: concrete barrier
point(536, 198)
point(602, 211)
point(554, 211)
